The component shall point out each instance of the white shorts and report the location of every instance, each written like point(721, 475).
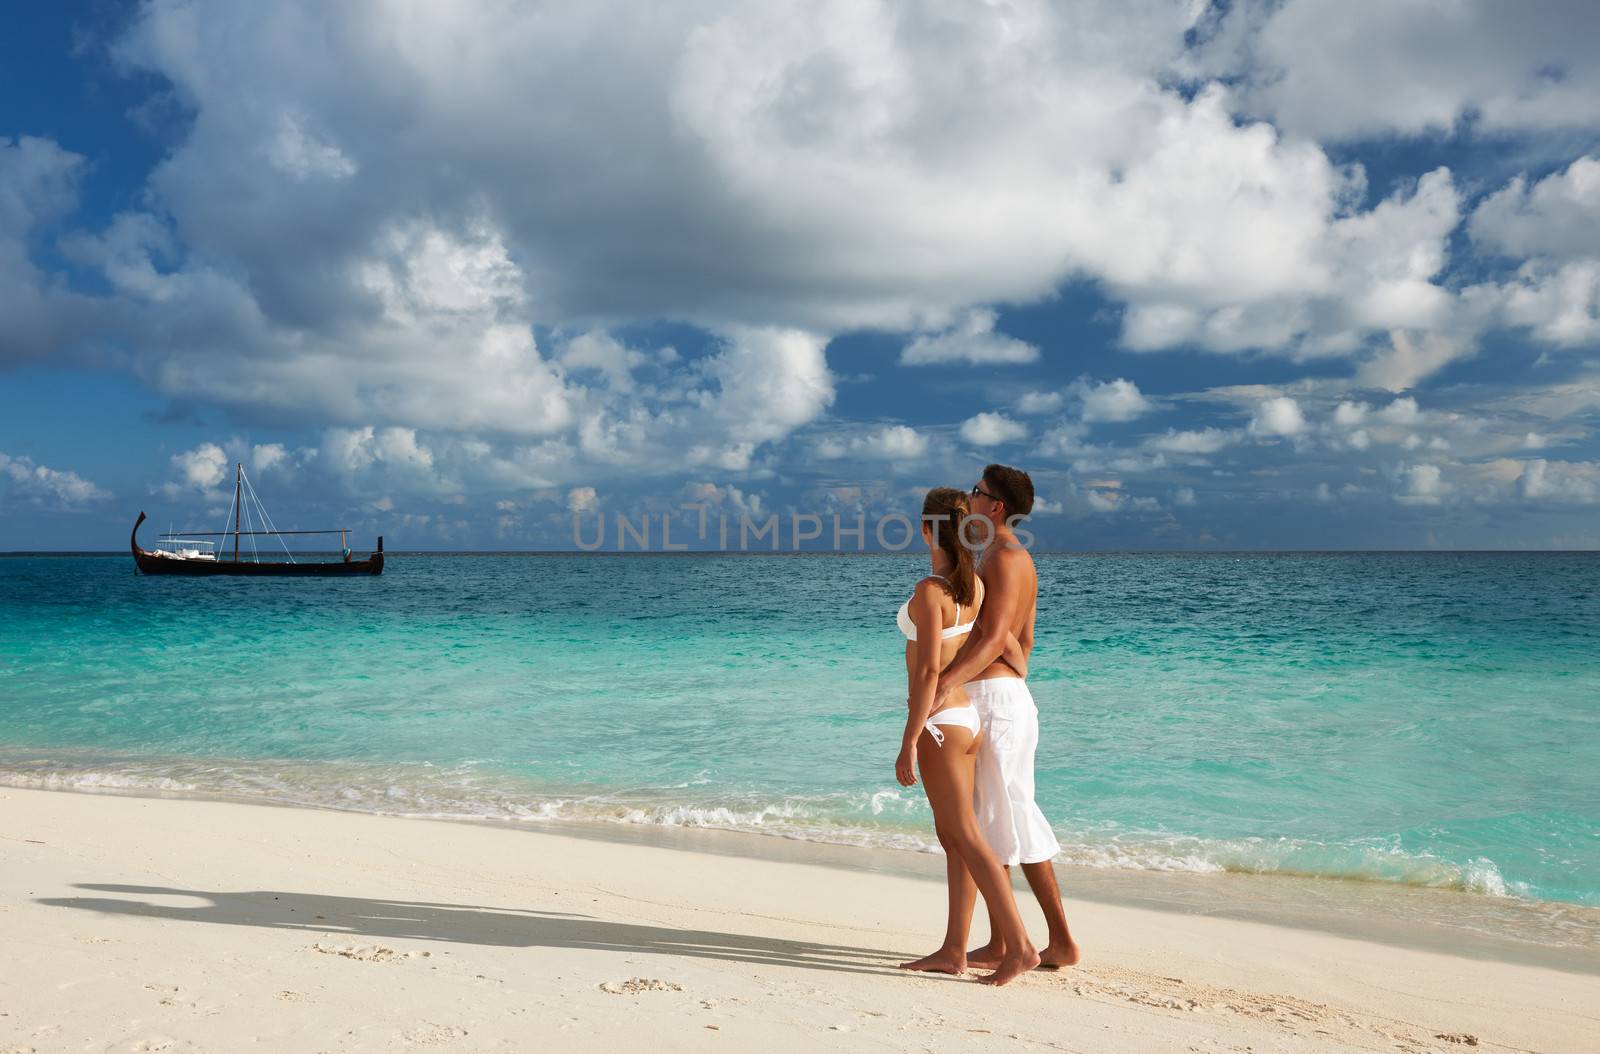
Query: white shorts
point(1003, 798)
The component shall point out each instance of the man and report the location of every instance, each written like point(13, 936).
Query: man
point(1011, 822)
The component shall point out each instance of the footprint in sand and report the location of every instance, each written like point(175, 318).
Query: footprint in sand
point(368, 953)
point(434, 1035)
point(153, 1044)
point(1464, 1038)
point(635, 985)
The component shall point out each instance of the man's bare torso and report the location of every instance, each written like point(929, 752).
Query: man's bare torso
point(1014, 561)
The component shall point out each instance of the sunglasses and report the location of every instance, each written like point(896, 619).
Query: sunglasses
point(978, 491)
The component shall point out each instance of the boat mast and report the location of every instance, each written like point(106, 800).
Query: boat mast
point(238, 493)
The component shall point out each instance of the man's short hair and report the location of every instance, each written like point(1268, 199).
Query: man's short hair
point(1012, 486)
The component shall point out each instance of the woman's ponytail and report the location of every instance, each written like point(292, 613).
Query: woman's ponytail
point(944, 510)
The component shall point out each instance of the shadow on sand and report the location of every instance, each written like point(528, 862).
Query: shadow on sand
point(329, 916)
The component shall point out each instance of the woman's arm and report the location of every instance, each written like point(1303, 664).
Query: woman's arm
point(1015, 653)
point(988, 638)
point(1019, 647)
point(922, 677)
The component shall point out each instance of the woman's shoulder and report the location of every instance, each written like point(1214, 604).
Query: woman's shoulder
point(935, 585)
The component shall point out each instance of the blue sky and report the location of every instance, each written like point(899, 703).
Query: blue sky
point(1247, 276)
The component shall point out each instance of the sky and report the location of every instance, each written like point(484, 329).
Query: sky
point(1282, 275)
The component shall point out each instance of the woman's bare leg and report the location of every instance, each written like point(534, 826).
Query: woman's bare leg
point(947, 776)
point(950, 957)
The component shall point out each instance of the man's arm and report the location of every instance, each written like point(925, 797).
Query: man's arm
point(988, 638)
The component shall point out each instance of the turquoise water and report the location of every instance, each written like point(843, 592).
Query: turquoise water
point(1427, 719)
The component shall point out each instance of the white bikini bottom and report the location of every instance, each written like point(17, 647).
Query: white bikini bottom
point(961, 716)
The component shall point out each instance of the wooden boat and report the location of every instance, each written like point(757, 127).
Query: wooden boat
point(185, 553)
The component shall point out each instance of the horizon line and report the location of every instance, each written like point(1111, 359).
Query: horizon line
point(845, 552)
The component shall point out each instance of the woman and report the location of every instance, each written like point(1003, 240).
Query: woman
point(943, 744)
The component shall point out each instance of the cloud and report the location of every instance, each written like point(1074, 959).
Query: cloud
point(889, 442)
point(1555, 292)
point(267, 456)
point(781, 160)
point(1423, 68)
point(1350, 414)
point(1311, 277)
point(973, 341)
point(992, 429)
point(1402, 411)
point(1039, 402)
point(598, 351)
point(1559, 216)
point(1118, 400)
point(38, 182)
point(1423, 485)
point(1104, 495)
point(1199, 441)
point(301, 155)
point(582, 499)
point(43, 485)
point(202, 468)
point(730, 497)
point(392, 454)
point(1279, 416)
point(1067, 439)
point(770, 382)
point(1559, 304)
point(1560, 482)
point(38, 186)
point(898, 441)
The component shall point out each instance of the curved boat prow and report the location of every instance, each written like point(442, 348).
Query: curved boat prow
point(134, 539)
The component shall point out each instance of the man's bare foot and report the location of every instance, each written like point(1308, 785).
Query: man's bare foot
point(941, 961)
point(986, 957)
point(1012, 967)
point(1055, 956)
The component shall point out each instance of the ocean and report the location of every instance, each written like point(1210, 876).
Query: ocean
point(1425, 720)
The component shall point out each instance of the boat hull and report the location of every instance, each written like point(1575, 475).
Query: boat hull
point(153, 564)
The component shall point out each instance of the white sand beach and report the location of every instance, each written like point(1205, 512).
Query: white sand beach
point(136, 924)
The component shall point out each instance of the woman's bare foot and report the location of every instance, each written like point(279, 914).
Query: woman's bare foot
point(942, 961)
point(1012, 967)
point(986, 957)
point(1055, 956)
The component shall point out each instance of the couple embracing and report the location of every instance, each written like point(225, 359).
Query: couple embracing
point(973, 728)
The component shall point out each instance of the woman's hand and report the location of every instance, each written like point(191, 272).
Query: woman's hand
point(905, 766)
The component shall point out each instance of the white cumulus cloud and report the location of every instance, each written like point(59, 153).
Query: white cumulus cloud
point(1194, 441)
point(1118, 400)
point(1280, 416)
point(203, 467)
point(973, 340)
point(46, 485)
point(992, 429)
point(1039, 402)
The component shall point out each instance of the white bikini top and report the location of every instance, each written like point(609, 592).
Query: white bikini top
point(909, 628)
